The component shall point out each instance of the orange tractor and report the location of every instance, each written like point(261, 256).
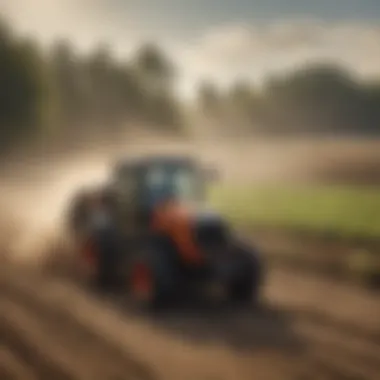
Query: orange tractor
point(147, 232)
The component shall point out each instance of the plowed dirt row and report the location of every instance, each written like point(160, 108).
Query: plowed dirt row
point(309, 329)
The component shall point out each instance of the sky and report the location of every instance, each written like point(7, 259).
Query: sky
point(219, 40)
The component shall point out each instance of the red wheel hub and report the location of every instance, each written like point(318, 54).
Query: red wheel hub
point(89, 253)
point(142, 280)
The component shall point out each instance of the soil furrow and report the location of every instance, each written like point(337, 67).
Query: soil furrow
point(99, 338)
point(32, 341)
point(12, 367)
point(95, 350)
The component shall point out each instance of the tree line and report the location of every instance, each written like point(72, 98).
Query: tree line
point(316, 99)
point(60, 93)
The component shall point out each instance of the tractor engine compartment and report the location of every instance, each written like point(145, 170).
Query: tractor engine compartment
point(211, 234)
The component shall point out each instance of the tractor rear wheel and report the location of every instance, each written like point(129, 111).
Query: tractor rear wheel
point(88, 263)
point(100, 260)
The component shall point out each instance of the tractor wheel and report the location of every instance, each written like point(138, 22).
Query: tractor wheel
point(88, 263)
point(153, 279)
point(99, 261)
point(245, 286)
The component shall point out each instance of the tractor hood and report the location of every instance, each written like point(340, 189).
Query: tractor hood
point(203, 222)
point(194, 229)
point(198, 214)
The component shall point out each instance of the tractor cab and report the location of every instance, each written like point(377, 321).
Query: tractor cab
point(144, 184)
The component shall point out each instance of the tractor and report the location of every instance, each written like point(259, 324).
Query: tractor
point(148, 233)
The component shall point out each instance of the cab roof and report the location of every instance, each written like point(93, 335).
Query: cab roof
point(146, 161)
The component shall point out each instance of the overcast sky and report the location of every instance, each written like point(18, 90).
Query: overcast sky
point(219, 39)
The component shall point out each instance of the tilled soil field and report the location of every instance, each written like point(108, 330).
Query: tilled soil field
point(308, 329)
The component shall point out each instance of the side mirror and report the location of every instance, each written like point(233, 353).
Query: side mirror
point(211, 175)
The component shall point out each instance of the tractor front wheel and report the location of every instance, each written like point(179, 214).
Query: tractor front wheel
point(153, 279)
point(245, 285)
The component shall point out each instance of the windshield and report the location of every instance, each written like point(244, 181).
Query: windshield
point(165, 181)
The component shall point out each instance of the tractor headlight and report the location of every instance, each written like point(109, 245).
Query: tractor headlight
point(211, 234)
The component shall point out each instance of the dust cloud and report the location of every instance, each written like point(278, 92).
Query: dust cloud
point(35, 190)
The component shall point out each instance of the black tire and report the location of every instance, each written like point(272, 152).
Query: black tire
point(86, 263)
point(108, 259)
point(104, 275)
point(164, 276)
point(245, 286)
point(77, 215)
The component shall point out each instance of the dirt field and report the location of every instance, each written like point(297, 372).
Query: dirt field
point(308, 329)
point(320, 160)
